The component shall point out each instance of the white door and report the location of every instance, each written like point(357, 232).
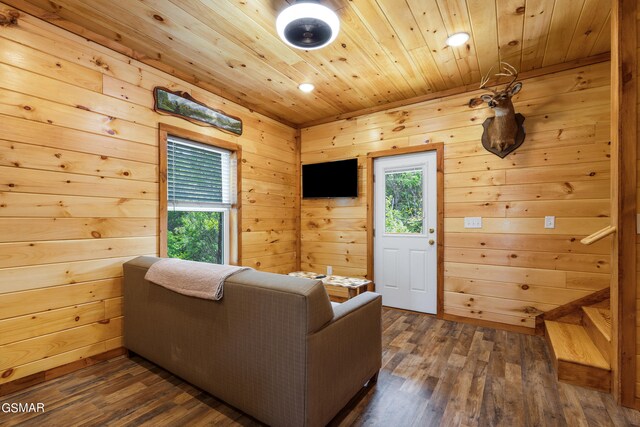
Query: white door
point(405, 219)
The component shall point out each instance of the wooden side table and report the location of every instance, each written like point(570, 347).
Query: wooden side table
point(338, 286)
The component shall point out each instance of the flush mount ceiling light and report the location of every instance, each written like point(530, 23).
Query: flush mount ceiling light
point(307, 25)
point(306, 87)
point(457, 39)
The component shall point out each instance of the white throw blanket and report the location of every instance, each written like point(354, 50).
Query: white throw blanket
point(196, 279)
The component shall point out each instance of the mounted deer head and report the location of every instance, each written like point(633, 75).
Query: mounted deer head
point(504, 132)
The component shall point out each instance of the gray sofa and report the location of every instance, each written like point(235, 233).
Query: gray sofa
point(273, 347)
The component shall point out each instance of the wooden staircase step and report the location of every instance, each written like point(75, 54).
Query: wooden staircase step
point(571, 343)
point(576, 357)
point(600, 318)
point(597, 322)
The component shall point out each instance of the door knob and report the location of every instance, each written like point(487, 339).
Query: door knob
point(431, 242)
point(431, 230)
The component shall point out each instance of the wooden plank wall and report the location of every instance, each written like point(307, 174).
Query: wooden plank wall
point(637, 387)
point(79, 191)
point(513, 268)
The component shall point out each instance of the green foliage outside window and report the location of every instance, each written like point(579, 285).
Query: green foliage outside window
point(403, 202)
point(196, 236)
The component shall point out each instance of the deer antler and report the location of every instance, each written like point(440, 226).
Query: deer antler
point(485, 80)
point(509, 71)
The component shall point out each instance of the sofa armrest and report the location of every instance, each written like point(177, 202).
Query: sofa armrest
point(352, 305)
point(343, 356)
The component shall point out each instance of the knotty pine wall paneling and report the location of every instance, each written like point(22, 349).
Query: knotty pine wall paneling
point(637, 363)
point(513, 268)
point(79, 191)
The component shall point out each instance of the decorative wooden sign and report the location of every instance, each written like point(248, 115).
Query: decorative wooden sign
point(181, 104)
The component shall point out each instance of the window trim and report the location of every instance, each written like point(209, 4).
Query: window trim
point(234, 224)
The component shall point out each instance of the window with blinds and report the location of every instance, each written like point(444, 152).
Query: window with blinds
point(200, 194)
point(198, 175)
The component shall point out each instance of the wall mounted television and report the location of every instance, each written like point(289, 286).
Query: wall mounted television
point(330, 179)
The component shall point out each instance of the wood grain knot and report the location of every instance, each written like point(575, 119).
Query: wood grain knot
point(9, 18)
point(158, 18)
point(568, 188)
point(96, 234)
point(524, 287)
point(7, 373)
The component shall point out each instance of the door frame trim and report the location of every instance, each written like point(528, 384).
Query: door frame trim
point(438, 147)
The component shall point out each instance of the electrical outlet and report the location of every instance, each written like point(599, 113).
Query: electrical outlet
point(549, 222)
point(472, 222)
point(329, 270)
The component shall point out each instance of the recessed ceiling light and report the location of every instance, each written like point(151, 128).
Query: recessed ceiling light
point(457, 39)
point(306, 87)
point(307, 25)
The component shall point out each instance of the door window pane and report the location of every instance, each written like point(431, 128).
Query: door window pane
point(196, 236)
point(404, 202)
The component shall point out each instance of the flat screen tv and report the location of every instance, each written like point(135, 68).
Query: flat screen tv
point(330, 179)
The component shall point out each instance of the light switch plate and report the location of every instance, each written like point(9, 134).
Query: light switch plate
point(329, 270)
point(472, 222)
point(549, 222)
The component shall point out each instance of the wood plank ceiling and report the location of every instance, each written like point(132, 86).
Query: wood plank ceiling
point(387, 50)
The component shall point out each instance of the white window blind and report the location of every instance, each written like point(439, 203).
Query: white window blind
point(198, 175)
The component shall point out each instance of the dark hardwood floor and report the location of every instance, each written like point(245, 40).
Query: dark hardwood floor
point(434, 373)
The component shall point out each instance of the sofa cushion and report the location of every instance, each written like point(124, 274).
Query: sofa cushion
point(318, 305)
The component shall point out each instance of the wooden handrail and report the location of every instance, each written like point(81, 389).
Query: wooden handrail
point(598, 235)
